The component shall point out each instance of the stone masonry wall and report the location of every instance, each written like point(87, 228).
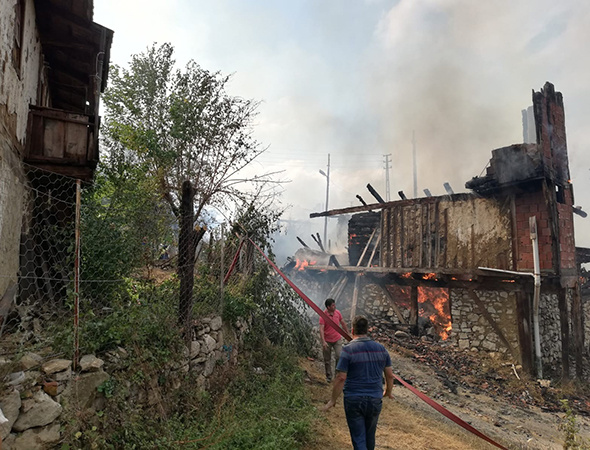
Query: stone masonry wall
point(471, 328)
point(40, 390)
point(550, 330)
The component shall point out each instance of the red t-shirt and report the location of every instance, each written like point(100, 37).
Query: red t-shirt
point(330, 334)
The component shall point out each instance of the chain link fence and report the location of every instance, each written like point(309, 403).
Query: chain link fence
point(98, 261)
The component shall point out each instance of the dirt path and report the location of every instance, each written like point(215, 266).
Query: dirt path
point(409, 423)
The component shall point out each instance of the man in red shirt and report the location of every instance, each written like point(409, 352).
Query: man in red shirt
point(331, 339)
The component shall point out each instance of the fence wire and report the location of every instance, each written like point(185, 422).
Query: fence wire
point(127, 267)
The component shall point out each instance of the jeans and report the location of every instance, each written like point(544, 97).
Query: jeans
point(337, 346)
point(362, 414)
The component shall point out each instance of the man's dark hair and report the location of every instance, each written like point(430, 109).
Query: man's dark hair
point(329, 302)
point(360, 325)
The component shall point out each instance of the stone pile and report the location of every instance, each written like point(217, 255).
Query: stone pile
point(33, 397)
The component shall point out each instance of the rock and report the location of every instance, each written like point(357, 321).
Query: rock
point(195, 349)
point(30, 360)
point(10, 405)
point(90, 363)
point(209, 343)
point(38, 438)
point(65, 375)
point(220, 339)
point(83, 389)
point(56, 365)
point(16, 378)
point(8, 443)
point(216, 323)
point(37, 411)
point(50, 387)
point(401, 334)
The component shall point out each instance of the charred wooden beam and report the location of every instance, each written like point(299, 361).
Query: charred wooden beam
point(448, 188)
point(375, 193)
point(402, 195)
point(302, 243)
point(318, 241)
point(427, 193)
point(361, 200)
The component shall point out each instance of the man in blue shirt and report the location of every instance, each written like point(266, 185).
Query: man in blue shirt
point(359, 373)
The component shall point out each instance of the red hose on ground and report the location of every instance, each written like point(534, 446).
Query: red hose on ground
point(422, 396)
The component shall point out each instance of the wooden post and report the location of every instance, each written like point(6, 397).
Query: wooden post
point(77, 276)
point(355, 293)
point(186, 260)
point(414, 306)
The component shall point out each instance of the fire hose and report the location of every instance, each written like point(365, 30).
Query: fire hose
point(344, 334)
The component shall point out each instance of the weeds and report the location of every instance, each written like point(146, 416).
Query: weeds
point(571, 429)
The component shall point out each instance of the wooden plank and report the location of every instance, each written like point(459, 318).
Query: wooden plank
point(355, 293)
point(359, 262)
point(402, 238)
point(420, 237)
point(374, 249)
point(414, 305)
point(436, 235)
point(483, 310)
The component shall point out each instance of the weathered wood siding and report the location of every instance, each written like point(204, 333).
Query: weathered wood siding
point(452, 232)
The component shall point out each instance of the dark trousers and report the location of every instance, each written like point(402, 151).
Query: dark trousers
point(362, 414)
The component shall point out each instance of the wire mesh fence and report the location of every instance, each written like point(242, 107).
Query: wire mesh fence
point(92, 271)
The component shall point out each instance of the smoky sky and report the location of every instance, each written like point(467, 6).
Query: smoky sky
point(355, 79)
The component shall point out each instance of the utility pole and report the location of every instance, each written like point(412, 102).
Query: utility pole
point(327, 175)
point(415, 166)
point(387, 167)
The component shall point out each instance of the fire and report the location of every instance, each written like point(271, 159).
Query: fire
point(435, 305)
point(429, 276)
point(302, 264)
point(405, 275)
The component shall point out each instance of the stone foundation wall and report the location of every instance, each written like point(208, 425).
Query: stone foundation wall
point(550, 330)
point(472, 328)
point(39, 391)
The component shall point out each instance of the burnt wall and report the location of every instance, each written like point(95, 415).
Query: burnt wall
point(461, 231)
point(360, 228)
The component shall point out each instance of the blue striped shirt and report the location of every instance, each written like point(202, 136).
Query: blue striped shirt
point(363, 360)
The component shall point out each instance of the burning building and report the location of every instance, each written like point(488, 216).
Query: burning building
point(493, 270)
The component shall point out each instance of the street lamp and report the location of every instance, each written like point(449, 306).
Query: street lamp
point(327, 175)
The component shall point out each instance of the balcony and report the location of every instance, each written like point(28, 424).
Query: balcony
point(63, 142)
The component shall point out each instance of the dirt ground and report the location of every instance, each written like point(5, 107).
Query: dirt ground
point(409, 423)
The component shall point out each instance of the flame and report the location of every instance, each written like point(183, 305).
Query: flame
point(435, 304)
point(302, 264)
point(405, 275)
point(508, 281)
point(429, 276)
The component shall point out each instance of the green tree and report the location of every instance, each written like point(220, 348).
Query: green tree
point(183, 129)
point(181, 125)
